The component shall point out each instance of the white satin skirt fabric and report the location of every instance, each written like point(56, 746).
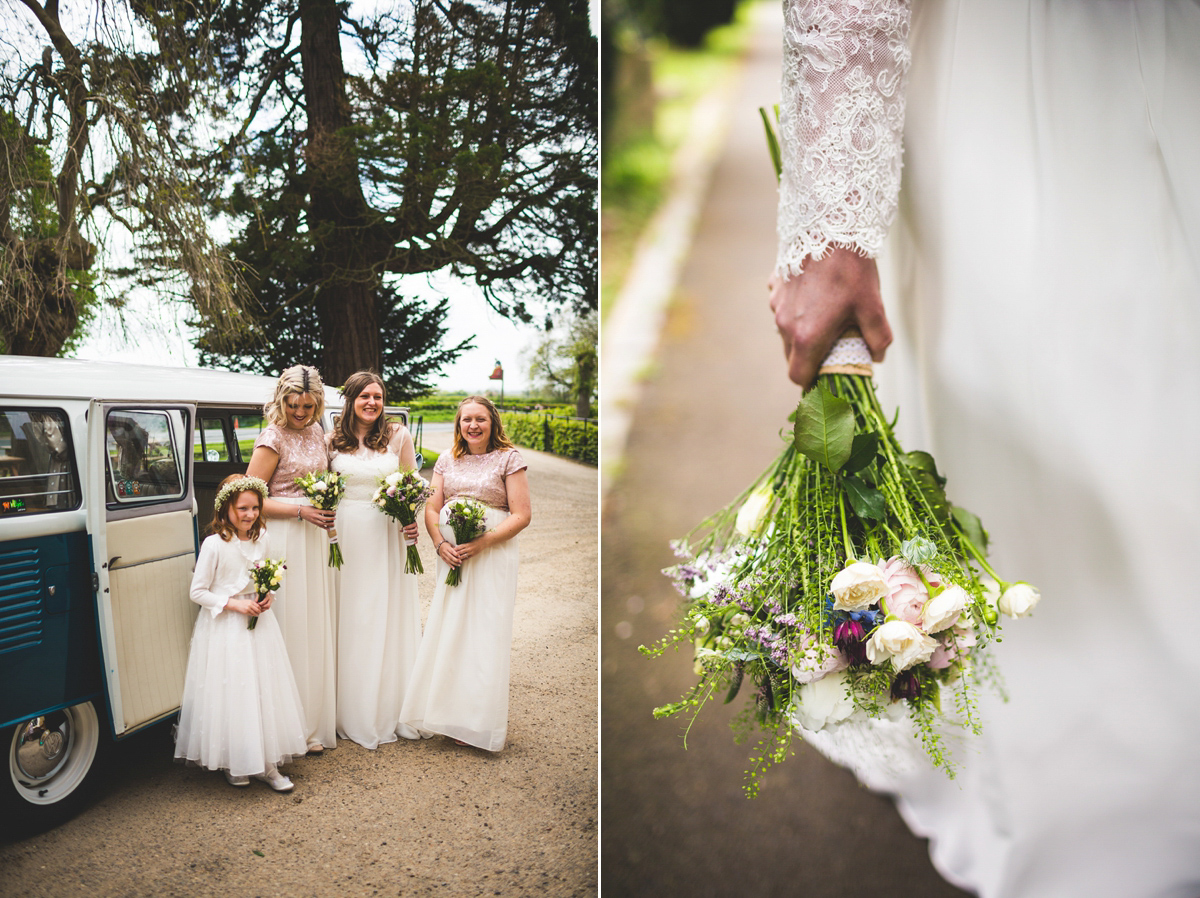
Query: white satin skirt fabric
point(459, 685)
point(379, 626)
point(1044, 283)
point(306, 608)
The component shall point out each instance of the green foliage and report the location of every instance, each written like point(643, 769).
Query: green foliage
point(824, 428)
point(562, 436)
point(468, 142)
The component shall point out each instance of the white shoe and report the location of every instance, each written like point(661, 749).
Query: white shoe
point(275, 780)
point(236, 780)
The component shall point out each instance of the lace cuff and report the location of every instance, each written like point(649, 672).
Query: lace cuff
point(841, 124)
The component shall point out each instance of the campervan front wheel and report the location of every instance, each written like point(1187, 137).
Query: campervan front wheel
point(52, 762)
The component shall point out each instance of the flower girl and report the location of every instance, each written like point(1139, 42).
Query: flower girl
point(241, 712)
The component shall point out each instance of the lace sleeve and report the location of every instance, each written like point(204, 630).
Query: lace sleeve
point(841, 122)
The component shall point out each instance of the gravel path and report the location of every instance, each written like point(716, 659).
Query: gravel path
point(427, 818)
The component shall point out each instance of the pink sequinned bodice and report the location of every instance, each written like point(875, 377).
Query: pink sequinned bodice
point(300, 452)
point(479, 476)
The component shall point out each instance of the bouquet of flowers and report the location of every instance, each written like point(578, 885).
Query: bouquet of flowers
point(400, 496)
point(324, 489)
point(465, 517)
point(266, 575)
point(841, 584)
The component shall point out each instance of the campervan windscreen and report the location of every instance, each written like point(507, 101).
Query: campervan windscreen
point(37, 465)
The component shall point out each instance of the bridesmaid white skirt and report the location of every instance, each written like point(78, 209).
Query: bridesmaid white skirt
point(459, 685)
point(379, 626)
point(305, 606)
point(241, 711)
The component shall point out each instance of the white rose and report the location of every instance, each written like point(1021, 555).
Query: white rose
point(857, 587)
point(1019, 600)
point(393, 479)
point(900, 642)
point(944, 609)
point(319, 486)
point(739, 620)
point(750, 515)
point(822, 702)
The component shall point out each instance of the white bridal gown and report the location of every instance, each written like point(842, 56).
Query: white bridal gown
point(460, 683)
point(379, 615)
point(1042, 274)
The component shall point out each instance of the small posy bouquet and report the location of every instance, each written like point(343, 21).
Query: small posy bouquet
point(465, 517)
point(266, 575)
point(324, 489)
point(400, 496)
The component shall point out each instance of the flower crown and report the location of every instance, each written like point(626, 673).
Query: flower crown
point(240, 486)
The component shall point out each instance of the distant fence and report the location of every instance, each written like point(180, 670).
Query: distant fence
point(577, 438)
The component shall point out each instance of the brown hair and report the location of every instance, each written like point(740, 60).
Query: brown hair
point(344, 438)
point(298, 379)
point(496, 439)
point(220, 523)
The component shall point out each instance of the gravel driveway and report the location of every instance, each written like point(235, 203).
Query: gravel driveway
point(428, 818)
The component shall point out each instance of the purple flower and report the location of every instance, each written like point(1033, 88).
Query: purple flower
point(848, 635)
point(907, 685)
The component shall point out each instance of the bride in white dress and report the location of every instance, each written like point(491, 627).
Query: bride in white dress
point(379, 616)
point(1041, 268)
point(460, 685)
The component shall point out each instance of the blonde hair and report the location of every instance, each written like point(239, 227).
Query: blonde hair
point(496, 438)
point(296, 380)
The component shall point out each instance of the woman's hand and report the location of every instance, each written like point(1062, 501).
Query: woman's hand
point(474, 547)
point(412, 532)
point(450, 553)
point(265, 602)
point(244, 606)
point(318, 517)
point(815, 308)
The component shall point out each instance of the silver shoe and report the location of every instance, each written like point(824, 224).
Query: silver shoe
point(275, 780)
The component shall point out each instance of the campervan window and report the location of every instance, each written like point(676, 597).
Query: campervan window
point(144, 457)
point(210, 443)
point(37, 466)
point(246, 429)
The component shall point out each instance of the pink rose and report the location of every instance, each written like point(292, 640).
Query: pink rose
point(906, 593)
point(952, 644)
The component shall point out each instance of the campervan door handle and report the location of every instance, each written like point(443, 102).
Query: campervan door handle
point(112, 562)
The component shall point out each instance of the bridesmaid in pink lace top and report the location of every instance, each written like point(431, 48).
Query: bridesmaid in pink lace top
point(459, 685)
point(292, 445)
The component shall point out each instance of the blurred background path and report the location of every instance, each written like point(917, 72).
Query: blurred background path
point(704, 423)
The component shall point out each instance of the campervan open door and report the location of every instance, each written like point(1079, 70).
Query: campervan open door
point(140, 517)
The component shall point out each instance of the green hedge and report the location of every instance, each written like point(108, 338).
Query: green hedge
point(563, 436)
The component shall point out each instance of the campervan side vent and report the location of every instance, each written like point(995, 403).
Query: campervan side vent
point(20, 599)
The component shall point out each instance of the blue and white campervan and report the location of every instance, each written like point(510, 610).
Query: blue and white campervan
point(107, 478)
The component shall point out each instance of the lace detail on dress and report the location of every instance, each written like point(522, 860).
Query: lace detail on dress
point(363, 470)
point(300, 452)
point(879, 751)
point(841, 122)
point(479, 476)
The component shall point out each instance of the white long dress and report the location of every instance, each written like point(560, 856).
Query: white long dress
point(307, 603)
point(1043, 280)
point(460, 682)
point(240, 711)
point(379, 615)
